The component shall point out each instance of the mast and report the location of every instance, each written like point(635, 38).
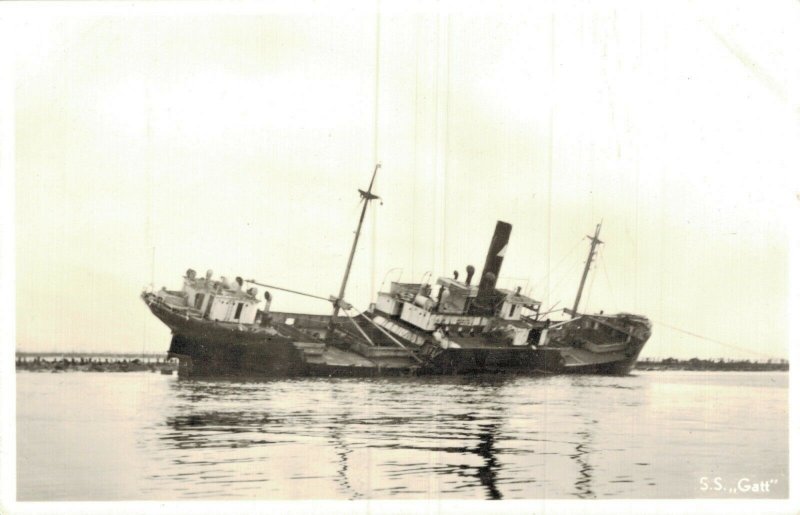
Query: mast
point(595, 241)
point(366, 196)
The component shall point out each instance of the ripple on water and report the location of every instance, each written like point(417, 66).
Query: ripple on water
point(451, 437)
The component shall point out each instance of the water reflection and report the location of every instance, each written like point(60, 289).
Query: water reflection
point(488, 437)
point(342, 451)
point(411, 421)
point(646, 436)
point(488, 472)
point(583, 483)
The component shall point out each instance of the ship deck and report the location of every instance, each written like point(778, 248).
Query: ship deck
point(337, 362)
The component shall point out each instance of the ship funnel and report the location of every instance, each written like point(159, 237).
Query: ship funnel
point(494, 259)
point(470, 273)
point(488, 282)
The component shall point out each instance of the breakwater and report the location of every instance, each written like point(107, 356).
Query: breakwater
point(718, 365)
point(95, 363)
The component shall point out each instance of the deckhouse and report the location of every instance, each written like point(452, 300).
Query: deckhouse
point(453, 309)
point(217, 300)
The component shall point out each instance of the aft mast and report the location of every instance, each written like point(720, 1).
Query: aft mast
point(595, 241)
point(366, 197)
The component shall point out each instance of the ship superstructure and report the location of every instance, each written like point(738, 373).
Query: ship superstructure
point(461, 327)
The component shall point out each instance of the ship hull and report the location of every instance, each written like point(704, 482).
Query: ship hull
point(209, 358)
point(524, 360)
point(206, 349)
point(585, 350)
point(613, 368)
point(618, 367)
point(212, 357)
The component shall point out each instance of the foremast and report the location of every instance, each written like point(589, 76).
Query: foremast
point(595, 242)
point(366, 196)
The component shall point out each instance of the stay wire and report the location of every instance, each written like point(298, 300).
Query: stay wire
point(713, 340)
point(560, 262)
point(608, 279)
point(563, 277)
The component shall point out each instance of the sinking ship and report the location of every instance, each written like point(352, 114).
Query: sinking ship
point(220, 328)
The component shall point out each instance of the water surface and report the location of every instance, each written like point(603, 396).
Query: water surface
point(123, 436)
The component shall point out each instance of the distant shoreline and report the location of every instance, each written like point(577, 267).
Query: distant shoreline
point(129, 362)
point(696, 364)
point(77, 354)
point(51, 362)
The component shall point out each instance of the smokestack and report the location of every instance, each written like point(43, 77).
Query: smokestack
point(470, 273)
point(494, 259)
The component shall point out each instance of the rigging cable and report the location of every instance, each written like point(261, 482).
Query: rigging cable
point(608, 279)
point(568, 273)
point(374, 212)
point(560, 262)
point(700, 336)
point(416, 140)
point(357, 327)
point(359, 313)
point(381, 329)
point(253, 281)
point(550, 144)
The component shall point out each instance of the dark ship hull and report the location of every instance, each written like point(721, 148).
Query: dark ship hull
point(599, 344)
point(211, 349)
point(206, 349)
point(496, 361)
point(216, 350)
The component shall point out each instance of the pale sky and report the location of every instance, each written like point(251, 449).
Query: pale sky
point(152, 140)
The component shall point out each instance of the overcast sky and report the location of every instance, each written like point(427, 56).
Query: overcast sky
point(150, 140)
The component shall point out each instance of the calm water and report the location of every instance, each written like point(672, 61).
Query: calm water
point(110, 436)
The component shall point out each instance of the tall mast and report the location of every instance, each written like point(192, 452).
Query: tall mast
point(366, 197)
point(595, 241)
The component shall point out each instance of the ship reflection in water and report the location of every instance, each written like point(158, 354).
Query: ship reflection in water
point(648, 435)
point(480, 437)
point(458, 446)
